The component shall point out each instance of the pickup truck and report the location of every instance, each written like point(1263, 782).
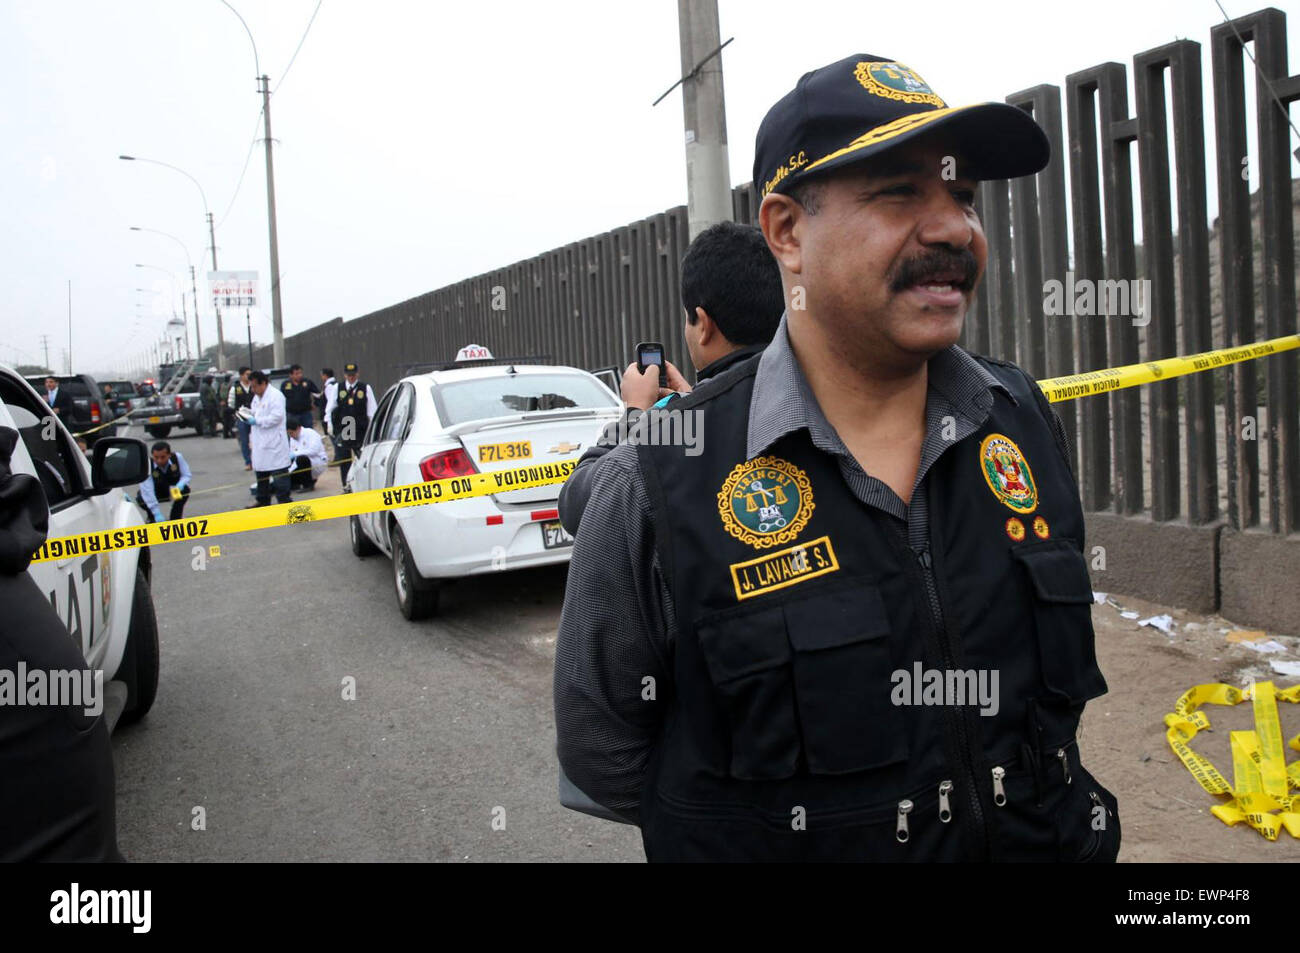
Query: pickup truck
point(104, 598)
point(160, 413)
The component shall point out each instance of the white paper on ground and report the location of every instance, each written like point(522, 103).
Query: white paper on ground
point(1285, 668)
point(1267, 648)
point(1165, 623)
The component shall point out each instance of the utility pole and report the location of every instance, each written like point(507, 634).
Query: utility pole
point(277, 325)
point(185, 320)
point(221, 334)
point(198, 336)
point(708, 174)
point(45, 343)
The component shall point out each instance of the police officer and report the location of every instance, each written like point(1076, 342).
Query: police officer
point(299, 393)
point(856, 625)
point(240, 397)
point(208, 406)
point(170, 473)
point(350, 407)
point(327, 384)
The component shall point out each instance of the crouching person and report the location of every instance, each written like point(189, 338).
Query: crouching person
point(169, 480)
point(309, 460)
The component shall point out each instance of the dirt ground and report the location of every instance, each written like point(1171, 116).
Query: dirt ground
point(1165, 813)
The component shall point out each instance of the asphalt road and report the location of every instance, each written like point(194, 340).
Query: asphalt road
point(451, 728)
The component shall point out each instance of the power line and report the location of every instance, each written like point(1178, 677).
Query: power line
point(249, 157)
point(238, 185)
point(299, 47)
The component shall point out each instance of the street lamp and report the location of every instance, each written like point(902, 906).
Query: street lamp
point(198, 335)
point(183, 313)
point(212, 240)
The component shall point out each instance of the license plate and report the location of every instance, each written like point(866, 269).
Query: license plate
point(155, 420)
point(554, 536)
point(497, 452)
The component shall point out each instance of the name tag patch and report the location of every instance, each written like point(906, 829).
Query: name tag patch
point(786, 567)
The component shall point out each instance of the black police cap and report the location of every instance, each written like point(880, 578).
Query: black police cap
point(864, 104)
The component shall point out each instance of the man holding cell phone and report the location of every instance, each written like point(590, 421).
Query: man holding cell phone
point(731, 291)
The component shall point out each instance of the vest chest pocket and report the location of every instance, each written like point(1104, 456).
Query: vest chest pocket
point(807, 683)
point(1062, 594)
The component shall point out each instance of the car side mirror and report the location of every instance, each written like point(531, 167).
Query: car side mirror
point(118, 461)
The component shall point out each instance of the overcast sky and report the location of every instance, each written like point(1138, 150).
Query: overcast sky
point(419, 143)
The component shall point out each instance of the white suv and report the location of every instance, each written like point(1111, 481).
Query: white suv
point(104, 599)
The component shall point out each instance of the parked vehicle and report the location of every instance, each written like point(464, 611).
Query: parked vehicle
point(103, 598)
point(174, 405)
point(465, 420)
point(89, 409)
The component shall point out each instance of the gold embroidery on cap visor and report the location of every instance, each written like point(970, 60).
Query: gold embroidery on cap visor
point(765, 502)
point(879, 78)
point(871, 137)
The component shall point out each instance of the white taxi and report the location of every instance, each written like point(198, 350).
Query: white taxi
point(103, 598)
point(465, 419)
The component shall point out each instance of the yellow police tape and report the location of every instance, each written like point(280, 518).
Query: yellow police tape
point(481, 484)
point(287, 514)
point(1261, 776)
point(1087, 384)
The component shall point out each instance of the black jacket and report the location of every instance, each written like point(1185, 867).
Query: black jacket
point(577, 489)
point(62, 403)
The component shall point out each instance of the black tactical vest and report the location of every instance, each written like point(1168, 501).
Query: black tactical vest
point(164, 477)
point(350, 403)
point(297, 397)
point(820, 661)
point(243, 397)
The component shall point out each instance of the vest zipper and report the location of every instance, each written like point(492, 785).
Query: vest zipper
point(904, 809)
point(967, 766)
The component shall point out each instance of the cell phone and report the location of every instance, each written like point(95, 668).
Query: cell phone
point(648, 353)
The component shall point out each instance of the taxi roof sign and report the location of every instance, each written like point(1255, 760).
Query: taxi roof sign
point(474, 352)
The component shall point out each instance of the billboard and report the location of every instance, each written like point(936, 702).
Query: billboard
point(233, 289)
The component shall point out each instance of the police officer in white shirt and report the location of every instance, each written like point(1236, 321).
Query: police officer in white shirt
point(268, 440)
point(307, 453)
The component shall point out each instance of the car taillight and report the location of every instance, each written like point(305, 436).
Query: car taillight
point(449, 463)
point(94, 412)
point(180, 404)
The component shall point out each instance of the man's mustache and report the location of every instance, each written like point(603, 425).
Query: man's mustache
point(957, 267)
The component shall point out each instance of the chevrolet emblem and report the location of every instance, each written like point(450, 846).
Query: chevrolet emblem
point(565, 447)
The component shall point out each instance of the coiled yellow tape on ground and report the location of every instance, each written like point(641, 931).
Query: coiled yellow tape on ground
point(1089, 383)
point(1261, 776)
point(286, 514)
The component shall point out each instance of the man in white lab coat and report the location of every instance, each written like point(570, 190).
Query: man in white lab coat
point(268, 441)
point(307, 454)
